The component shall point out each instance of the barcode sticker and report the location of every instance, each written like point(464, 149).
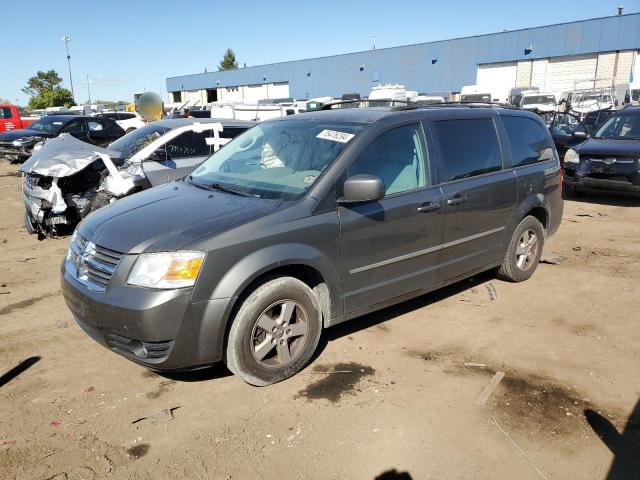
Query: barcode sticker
point(335, 136)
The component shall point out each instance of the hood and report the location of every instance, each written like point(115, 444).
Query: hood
point(168, 217)
point(596, 146)
point(63, 156)
point(12, 135)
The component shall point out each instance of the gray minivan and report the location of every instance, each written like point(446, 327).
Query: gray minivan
point(307, 221)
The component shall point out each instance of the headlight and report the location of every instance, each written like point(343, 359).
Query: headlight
point(73, 239)
point(571, 156)
point(166, 270)
point(38, 146)
point(23, 141)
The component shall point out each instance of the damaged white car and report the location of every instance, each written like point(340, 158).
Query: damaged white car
point(67, 179)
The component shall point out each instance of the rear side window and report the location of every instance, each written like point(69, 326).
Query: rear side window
point(188, 144)
point(528, 139)
point(468, 147)
point(5, 112)
point(126, 116)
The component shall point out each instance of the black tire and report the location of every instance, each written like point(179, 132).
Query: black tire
point(28, 224)
point(253, 353)
point(129, 130)
point(571, 192)
point(523, 255)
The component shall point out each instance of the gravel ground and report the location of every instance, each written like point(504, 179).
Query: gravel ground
point(390, 395)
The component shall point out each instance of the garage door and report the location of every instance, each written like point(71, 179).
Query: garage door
point(279, 90)
point(501, 77)
point(567, 73)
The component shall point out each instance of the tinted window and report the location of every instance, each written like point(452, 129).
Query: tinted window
point(110, 115)
point(188, 144)
point(5, 112)
point(75, 126)
point(398, 157)
point(126, 116)
point(528, 140)
point(467, 148)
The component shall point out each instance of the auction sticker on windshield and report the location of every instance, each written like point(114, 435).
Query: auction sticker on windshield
point(336, 136)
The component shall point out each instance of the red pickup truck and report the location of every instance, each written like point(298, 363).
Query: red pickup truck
point(10, 118)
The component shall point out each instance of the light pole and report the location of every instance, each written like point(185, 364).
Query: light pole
point(66, 40)
point(89, 90)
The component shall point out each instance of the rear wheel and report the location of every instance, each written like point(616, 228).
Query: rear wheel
point(275, 332)
point(524, 251)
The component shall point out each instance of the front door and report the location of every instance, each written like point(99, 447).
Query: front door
point(478, 195)
point(181, 155)
point(391, 247)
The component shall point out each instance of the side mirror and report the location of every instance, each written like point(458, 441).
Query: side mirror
point(362, 188)
point(159, 155)
point(579, 134)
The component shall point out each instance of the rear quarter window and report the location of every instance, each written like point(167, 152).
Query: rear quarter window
point(468, 147)
point(528, 140)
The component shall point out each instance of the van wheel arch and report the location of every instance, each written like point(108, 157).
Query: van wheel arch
point(305, 273)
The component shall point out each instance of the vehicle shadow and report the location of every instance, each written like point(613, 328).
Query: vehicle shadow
point(366, 321)
point(214, 372)
point(612, 199)
point(625, 446)
point(394, 475)
point(18, 369)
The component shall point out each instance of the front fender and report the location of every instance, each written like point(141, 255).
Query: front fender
point(236, 279)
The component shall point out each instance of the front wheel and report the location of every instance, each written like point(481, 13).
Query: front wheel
point(275, 332)
point(29, 224)
point(524, 251)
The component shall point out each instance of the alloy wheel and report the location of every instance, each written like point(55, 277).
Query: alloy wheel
point(527, 250)
point(279, 333)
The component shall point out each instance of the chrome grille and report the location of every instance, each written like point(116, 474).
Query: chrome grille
point(94, 265)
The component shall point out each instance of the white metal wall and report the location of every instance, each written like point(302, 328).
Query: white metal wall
point(561, 74)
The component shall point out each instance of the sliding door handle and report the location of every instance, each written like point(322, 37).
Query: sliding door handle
point(457, 200)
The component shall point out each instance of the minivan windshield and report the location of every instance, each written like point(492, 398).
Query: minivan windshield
point(620, 127)
point(277, 160)
point(539, 100)
point(133, 142)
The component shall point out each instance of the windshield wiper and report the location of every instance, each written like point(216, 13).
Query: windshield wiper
point(218, 186)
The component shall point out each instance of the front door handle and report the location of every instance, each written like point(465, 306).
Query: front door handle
point(457, 200)
point(429, 207)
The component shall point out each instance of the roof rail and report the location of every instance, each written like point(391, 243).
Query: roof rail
point(329, 106)
point(411, 106)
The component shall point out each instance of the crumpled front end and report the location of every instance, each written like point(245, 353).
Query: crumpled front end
point(56, 204)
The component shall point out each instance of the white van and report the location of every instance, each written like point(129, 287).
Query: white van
point(477, 93)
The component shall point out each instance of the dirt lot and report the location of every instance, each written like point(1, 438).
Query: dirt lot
point(388, 396)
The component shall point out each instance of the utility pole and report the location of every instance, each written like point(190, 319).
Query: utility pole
point(89, 90)
point(66, 40)
point(374, 41)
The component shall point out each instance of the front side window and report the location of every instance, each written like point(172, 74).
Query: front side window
point(468, 147)
point(279, 159)
point(621, 127)
point(76, 126)
point(398, 157)
point(528, 140)
point(133, 142)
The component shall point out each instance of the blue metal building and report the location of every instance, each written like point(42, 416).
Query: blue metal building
point(602, 48)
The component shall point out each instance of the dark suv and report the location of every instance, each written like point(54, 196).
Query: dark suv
point(307, 221)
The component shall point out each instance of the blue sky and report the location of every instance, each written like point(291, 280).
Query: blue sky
point(131, 46)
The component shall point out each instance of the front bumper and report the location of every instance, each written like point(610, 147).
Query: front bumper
point(160, 329)
point(594, 174)
point(11, 153)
